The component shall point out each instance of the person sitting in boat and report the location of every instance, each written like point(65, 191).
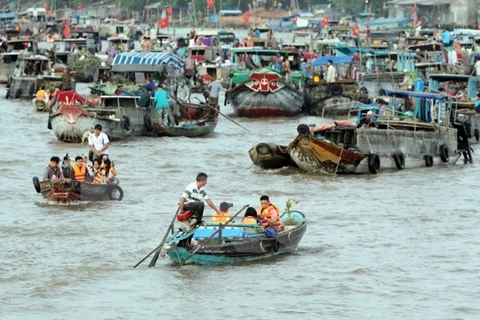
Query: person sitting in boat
point(30, 69)
point(366, 120)
point(193, 198)
point(79, 170)
point(53, 171)
point(66, 166)
point(407, 83)
point(223, 215)
point(269, 214)
point(251, 217)
point(105, 174)
point(98, 142)
point(161, 103)
point(42, 94)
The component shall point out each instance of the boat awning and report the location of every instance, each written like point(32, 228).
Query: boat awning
point(415, 94)
point(145, 61)
point(322, 61)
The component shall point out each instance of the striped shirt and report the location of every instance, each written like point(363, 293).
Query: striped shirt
point(193, 194)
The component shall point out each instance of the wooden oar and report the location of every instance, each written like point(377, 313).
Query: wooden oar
point(227, 117)
point(214, 234)
point(158, 249)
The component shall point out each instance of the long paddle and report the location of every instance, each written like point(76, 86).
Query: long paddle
point(214, 234)
point(157, 249)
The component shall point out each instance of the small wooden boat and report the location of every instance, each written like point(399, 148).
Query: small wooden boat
point(68, 190)
point(235, 242)
point(393, 142)
point(187, 120)
point(271, 156)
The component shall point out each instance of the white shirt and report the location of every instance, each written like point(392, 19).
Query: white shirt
point(331, 72)
point(99, 142)
point(193, 194)
point(218, 62)
point(477, 68)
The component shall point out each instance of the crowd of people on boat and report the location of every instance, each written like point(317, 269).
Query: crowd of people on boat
point(192, 206)
point(97, 168)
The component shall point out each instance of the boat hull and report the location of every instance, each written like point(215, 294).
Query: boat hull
point(313, 154)
point(271, 156)
point(69, 190)
point(186, 130)
point(253, 248)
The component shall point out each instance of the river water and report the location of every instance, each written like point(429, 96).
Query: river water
point(398, 245)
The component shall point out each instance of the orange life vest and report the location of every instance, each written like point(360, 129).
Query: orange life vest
point(267, 215)
point(41, 94)
point(80, 175)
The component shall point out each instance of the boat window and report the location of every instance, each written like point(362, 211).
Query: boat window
point(110, 102)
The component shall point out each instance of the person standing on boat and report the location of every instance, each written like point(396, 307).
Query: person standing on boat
point(53, 171)
point(330, 77)
point(149, 85)
point(214, 91)
point(161, 103)
point(66, 166)
point(193, 199)
point(98, 142)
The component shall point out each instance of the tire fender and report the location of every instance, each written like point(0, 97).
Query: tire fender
point(36, 184)
point(148, 123)
point(17, 94)
point(276, 245)
point(428, 161)
point(264, 149)
point(303, 130)
point(444, 153)
point(399, 159)
point(126, 123)
point(110, 193)
point(373, 163)
point(336, 90)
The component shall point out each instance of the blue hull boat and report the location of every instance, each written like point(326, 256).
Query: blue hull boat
point(236, 243)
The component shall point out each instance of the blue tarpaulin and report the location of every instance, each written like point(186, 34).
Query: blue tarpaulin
point(322, 61)
point(145, 61)
point(7, 15)
point(414, 94)
point(214, 18)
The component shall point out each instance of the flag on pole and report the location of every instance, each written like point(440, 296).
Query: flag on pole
point(356, 31)
point(246, 16)
point(163, 23)
point(45, 5)
point(325, 22)
point(211, 3)
point(80, 7)
point(414, 8)
point(169, 10)
point(66, 31)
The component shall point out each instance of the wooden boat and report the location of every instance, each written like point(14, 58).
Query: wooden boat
point(120, 117)
point(68, 190)
point(235, 242)
point(344, 94)
point(15, 49)
point(395, 143)
point(187, 120)
point(271, 156)
point(40, 105)
point(25, 86)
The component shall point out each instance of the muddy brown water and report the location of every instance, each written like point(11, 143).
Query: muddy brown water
point(398, 245)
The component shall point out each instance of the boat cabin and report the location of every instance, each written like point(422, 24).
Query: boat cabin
point(294, 46)
point(461, 87)
point(22, 46)
point(120, 43)
point(240, 58)
point(415, 41)
point(385, 39)
point(389, 61)
point(203, 54)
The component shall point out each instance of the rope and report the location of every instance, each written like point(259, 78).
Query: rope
point(338, 162)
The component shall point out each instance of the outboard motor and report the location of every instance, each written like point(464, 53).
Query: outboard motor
point(463, 145)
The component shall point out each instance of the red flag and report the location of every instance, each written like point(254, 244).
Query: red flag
point(356, 31)
point(80, 7)
point(414, 8)
point(163, 23)
point(295, 20)
point(169, 10)
point(45, 5)
point(325, 22)
point(246, 16)
point(66, 31)
point(211, 3)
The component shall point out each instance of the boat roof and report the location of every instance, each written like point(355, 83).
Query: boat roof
point(322, 61)
point(21, 41)
point(448, 77)
point(36, 58)
point(145, 61)
point(415, 94)
point(262, 51)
